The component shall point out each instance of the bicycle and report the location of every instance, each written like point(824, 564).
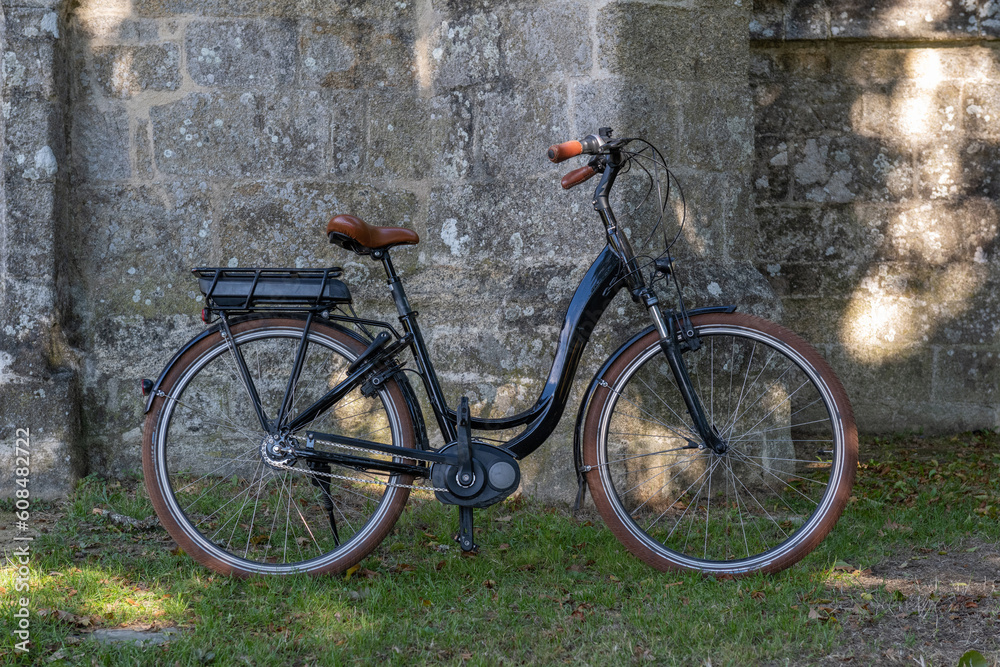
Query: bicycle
point(286, 437)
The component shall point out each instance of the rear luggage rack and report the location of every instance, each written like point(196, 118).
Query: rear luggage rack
point(252, 289)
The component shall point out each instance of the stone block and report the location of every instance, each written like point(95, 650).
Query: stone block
point(121, 352)
point(533, 42)
point(800, 280)
point(965, 168)
point(29, 68)
point(718, 127)
point(32, 23)
point(136, 246)
point(794, 106)
point(719, 215)
point(242, 136)
point(514, 127)
point(97, 25)
point(862, 65)
point(668, 42)
point(848, 168)
point(817, 319)
point(890, 394)
point(34, 137)
point(284, 224)
point(403, 11)
point(908, 113)
point(806, 19)
point(890, 20)
point(338, 54)
point(30, 209)
point(709, 281)
point(329, 54)
point(827, 235)
point(632, 109)
point(967, 376)
point(42, 413)
point(125, 71)
point(27, 326)
point(413, 137)
point(485, 229)
point(886, 381)
point(980, 109)
point(348, 132)
point(767, 20)
point(224, 8)
point(463, 51)
point(771, 169)
point(100, 143)
point(241, 54)
point(973, 319)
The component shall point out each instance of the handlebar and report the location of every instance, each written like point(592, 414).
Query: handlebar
point(590, 145)
point(565, 151)
point(577, 176)
point(593, 144)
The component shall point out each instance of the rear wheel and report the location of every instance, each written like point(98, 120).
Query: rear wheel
point(762, 503)
point(213, 477)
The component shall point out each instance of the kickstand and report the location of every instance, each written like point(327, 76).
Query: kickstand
point(465, 536)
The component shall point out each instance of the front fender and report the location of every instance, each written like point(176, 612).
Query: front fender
point(592, 387)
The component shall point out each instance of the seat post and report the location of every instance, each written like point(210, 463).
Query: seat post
point(408, 317)
point(395, 284)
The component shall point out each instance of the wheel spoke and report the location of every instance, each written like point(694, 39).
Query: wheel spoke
point(243, 511)
point(747, 506)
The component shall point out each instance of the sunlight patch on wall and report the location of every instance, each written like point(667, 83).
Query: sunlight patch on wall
point(931, 270)
point(891, 314)
point(103, 17)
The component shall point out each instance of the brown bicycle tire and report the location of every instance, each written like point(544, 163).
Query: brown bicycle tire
point(634, 536)
point(177, 524)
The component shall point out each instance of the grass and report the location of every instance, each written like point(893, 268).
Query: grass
point(547, 588)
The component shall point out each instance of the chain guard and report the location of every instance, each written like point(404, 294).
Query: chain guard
point(497, 475)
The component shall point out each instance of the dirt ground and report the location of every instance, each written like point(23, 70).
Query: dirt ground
point(918, 607)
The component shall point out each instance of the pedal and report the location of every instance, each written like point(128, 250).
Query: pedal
point(465, 530)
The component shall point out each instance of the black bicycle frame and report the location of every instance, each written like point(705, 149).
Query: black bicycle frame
point(612, 270)
point(596, 290)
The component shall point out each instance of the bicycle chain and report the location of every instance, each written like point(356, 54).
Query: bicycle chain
point(419, 487)
point(285, 466)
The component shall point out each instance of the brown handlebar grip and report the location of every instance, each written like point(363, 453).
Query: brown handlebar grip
point(565, 150)
point(577, 176)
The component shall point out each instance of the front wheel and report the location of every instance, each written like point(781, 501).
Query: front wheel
point(216, 484)
point(775, 488)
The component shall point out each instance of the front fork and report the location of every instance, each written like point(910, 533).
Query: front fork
point(667, 329)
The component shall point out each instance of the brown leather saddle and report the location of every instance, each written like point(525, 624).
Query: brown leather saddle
point(355, 234)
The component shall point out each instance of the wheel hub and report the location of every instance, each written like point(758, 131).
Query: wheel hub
point(717, 444)
point(276, 450)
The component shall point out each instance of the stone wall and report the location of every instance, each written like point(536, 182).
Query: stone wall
point(877, 154)
point(38, 387)
point(227, 133)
